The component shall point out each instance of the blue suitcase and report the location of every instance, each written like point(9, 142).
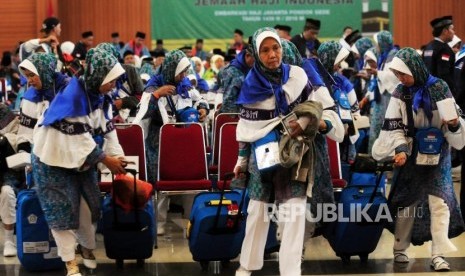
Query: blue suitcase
point(37, 249)
point(359, 236)
point(216, 229)
point(128, 235)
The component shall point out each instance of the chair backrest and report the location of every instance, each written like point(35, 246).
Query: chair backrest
point(334, 159)
point(131, 139)
point(181, 153)
point(220, 120)
point(228, 149)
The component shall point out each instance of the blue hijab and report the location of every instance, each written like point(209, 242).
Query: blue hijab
point(81, 96)
point(239, 63)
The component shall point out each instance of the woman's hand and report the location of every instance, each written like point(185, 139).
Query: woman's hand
point(400, 159)
point(452, 123)
point(115, 165)
point(237, 171)
point(363, 102)
point(296, 129)
point(372, 71)
point(164, 91)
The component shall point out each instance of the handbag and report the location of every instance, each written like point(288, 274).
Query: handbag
point(125, 188)
point(266, 151)
point(343, 106)
point(429, 143)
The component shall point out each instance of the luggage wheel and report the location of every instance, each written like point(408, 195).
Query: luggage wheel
point(363, 258)
point(140, 262)
point(345, 259)
point(119, 263)
point(225, 263)
point(204, 265)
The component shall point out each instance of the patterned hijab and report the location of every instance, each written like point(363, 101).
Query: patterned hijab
point(327, 52)
point(426, 87)
point(363, 44)
point(99, 64)
point(291, 54)
point(45, 65)
point(168, 68)
point(385, 43)
point(109, 48)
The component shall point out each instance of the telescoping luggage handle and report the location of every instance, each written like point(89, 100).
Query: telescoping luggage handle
point(227, 177)
point(127, 226)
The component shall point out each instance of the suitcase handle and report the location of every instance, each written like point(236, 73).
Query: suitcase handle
point(229, 176)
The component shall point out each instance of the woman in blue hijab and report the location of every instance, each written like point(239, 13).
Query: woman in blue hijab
point(74, 135)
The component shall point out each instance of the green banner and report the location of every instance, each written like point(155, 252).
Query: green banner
point(186, 20)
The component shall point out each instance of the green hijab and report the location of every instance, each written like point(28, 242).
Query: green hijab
point(327, 53)
point(99, 64)
point(46, 65)
point(291, 54)
point(168, 68)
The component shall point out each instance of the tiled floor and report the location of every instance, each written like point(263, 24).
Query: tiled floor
point(173, 258)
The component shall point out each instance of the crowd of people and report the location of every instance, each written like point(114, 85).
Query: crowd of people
point(70, 95)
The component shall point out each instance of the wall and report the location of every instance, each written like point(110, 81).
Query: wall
point(22, 19)
point(411, 20)
point(104, 17)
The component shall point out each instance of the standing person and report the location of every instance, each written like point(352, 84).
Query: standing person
point(233, 76)
point(51, 29)
point(128, 86)
point(307, 42)
point(460, 85)
point(44, 83)
point(83, 45)
point(455, 44)
point(198, 50)
point(73, 136)
point(172, 80)
point(322, 190)
point(136, 46)
point(332, 54)
point(438, 56)
point(117, 43)
point(284, 31)
point(272, 88)
point(359, 49)
point(238, 43)
point(382, 81)
point(159, 46)
point(421, 184)
point(11, 181)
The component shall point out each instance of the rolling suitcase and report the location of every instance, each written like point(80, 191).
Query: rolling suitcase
point(37, 249)
point(128, 235)
point(355, 233)
point(216, 227)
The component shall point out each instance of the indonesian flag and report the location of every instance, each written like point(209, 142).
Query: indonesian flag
point(445, 57)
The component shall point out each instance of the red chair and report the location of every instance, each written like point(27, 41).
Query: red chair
point(131, 139)
point(182, 164)
point(219, 121)
point(335, 165)
point(228, 151)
